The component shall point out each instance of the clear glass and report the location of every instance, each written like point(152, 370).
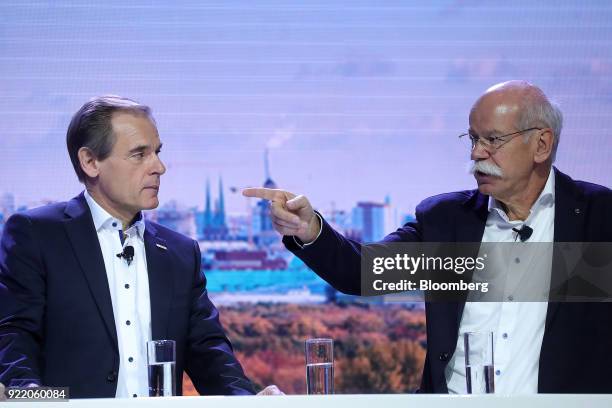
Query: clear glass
point(479, 362)
point(161, 358)
point(319, 366)
point(492, 143)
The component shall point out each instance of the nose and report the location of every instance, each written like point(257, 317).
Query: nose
point(158, 166)
point(479, 152)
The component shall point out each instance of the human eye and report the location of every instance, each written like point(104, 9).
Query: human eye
point(491, 139)
point(137, 155)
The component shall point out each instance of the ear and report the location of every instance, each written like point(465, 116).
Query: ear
point(544, 145)
point(89, 162)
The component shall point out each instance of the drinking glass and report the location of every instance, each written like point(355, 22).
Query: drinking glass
point(319, 366)
point(479, 367)
point(161, 358)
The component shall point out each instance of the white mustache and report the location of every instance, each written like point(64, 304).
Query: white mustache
point(486, 168)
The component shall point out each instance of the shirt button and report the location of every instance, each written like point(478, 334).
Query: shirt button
point(131, 359)
point(134, 395)
point(510, 298)
point(505, 335)
point(112, 376)
point(127, 285)
point(517, 260)
point(114, 224)
point(128, 322)
point(498, 372)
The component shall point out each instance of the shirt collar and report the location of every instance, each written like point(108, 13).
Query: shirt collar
point(547, 197)
point(103, 220)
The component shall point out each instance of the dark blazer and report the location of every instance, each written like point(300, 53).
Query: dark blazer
point(56, 315)
point(576, 354)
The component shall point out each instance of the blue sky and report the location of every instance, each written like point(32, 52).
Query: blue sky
point(354, 99)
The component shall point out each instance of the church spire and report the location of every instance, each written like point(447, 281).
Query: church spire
point(207, 207)
point(221, 208)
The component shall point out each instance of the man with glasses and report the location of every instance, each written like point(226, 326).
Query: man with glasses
point(545, 347)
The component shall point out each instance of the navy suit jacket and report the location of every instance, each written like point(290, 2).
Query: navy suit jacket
point(576, 354)
point(56, 316)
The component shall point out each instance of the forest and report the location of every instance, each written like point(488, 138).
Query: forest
point(378, 348)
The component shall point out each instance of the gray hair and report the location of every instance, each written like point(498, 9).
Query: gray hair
point(91, 127)
point(541, 112)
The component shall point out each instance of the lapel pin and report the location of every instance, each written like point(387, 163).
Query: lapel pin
point(162, 247)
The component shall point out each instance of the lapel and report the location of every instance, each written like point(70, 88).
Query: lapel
point(570, 208)
point(161, 285)
point(84, 240)
point(471, 229)
point(474, 219)
point(470, 219)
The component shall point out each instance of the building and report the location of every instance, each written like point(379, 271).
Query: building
point(213, 222)
point(178, 219)
point(369, 218)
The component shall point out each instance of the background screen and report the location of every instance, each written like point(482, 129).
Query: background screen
point(356, 104)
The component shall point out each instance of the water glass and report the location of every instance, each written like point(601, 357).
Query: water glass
point(479, 367)
point(161, 358)
point(319, 366)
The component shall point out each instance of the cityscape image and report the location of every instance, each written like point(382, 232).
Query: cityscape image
point(356, 104)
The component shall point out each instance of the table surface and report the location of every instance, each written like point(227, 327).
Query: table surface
point(335, 401)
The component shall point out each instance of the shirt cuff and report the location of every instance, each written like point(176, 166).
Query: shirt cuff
point(299, 242)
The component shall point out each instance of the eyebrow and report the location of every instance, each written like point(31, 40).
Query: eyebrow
point(138, 149)
point(143, 148)
point(492, 132)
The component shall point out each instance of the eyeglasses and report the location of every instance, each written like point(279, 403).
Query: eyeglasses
point(492, 143)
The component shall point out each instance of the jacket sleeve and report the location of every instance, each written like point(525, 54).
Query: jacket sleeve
point(22, 303)
point(337, 259)
point(210, 361)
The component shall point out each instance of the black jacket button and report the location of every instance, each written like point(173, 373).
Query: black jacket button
point(444, 356)
point(112, 376)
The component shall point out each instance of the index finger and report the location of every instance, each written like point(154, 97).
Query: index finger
point(265, 193)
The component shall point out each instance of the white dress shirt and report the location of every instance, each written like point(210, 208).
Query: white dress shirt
point(518, 326)
point(129, 290)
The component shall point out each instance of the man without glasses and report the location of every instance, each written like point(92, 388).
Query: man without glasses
point(74, 313)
